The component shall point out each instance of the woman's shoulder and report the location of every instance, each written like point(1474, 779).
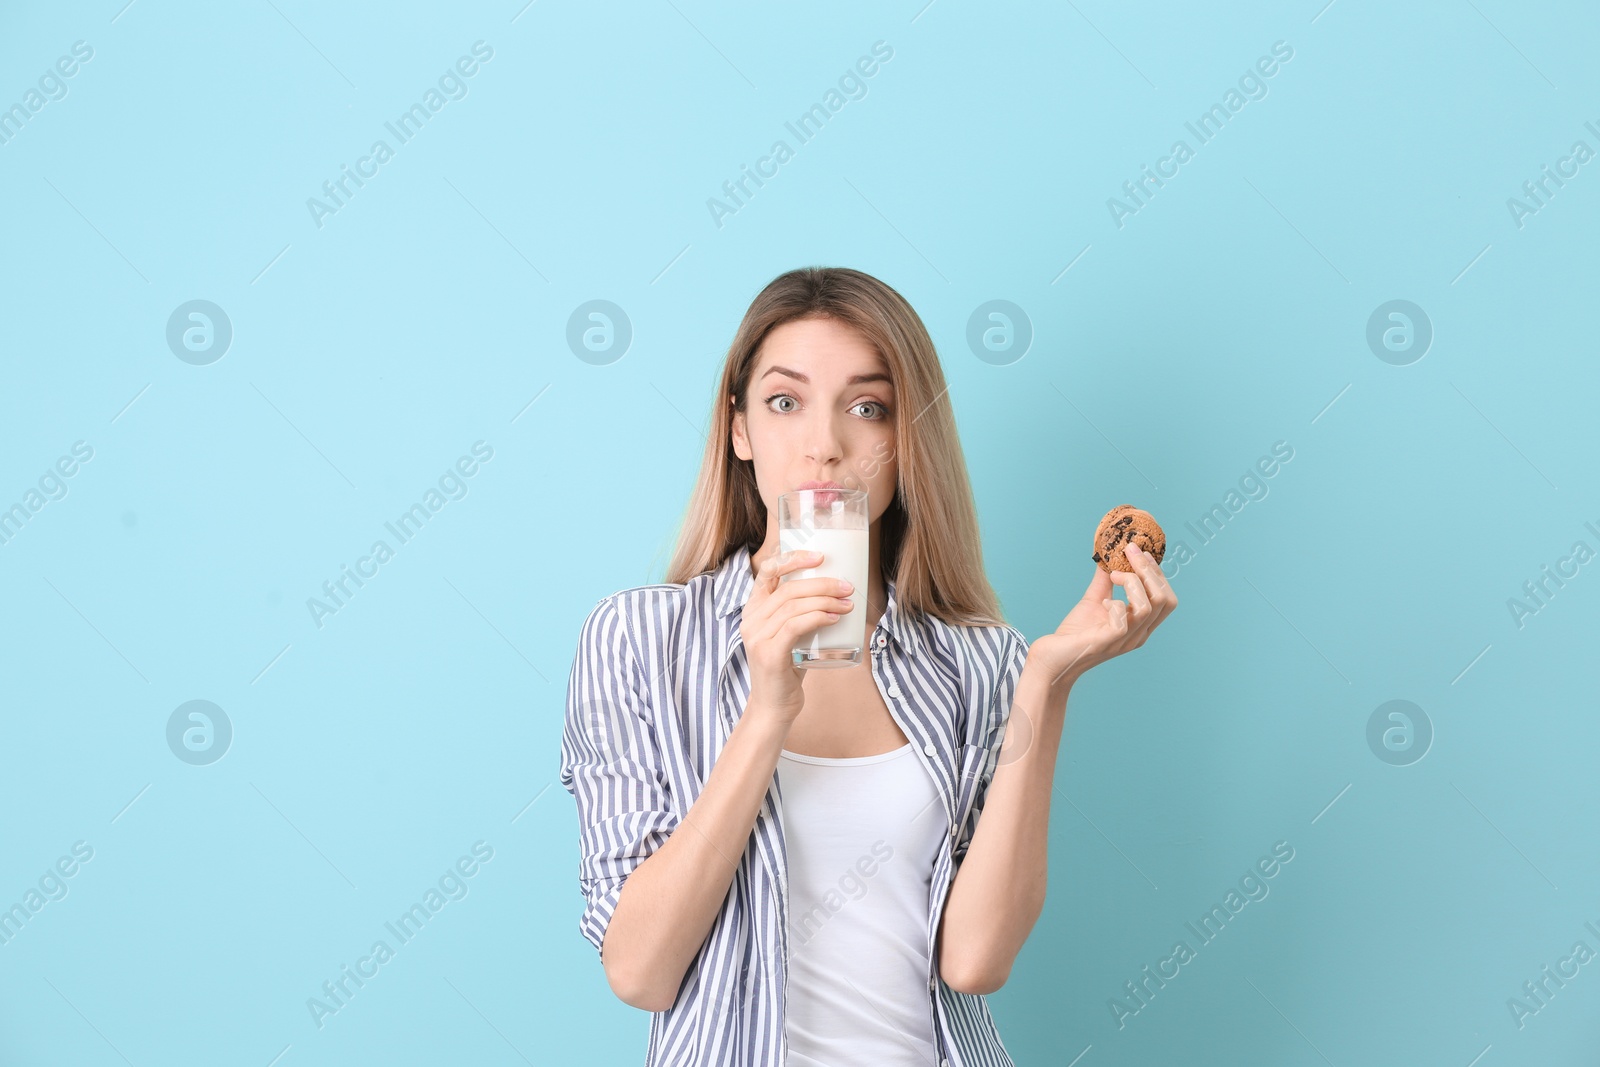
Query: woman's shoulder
point(999, 637)
point(656, 607)
point(988, 651)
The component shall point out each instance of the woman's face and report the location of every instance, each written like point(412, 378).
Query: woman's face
point(820, 408)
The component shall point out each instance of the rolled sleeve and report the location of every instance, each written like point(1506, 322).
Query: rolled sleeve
point(985, 753)
point(611, 764)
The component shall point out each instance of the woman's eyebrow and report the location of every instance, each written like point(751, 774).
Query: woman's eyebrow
point(854, 379)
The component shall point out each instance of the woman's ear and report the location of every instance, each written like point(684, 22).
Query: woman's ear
point(741, 442)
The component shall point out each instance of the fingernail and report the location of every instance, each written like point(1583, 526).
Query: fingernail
point(1133, 549)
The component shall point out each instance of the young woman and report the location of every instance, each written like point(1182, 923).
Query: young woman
point(788, 865)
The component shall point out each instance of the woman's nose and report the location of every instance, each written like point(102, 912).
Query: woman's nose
point(826, 445)
point(824, 455)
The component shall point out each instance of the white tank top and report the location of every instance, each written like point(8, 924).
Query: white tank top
point(861, 834)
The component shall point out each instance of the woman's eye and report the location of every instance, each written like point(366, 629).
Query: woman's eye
point(882, 411)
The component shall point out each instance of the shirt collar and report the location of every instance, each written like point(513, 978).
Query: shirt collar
point(732, 582)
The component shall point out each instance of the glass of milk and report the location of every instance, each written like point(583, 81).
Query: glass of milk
point(832, 522)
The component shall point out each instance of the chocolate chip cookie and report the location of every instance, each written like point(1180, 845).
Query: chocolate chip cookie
point(1122, 524)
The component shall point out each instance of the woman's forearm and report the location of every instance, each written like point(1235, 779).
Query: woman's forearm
point(668, 903)
point(999, 891)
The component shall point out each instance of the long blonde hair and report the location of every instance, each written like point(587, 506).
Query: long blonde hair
point(928, 536)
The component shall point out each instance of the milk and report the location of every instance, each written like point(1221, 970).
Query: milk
point(844, 555)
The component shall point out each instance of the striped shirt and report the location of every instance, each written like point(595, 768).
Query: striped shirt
point(658, 682)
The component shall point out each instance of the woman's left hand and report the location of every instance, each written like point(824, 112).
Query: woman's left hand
point(1100, 627)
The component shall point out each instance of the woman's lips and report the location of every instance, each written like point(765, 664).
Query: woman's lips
point(824, 494)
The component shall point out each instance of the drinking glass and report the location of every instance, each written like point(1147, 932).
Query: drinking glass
point(832, 522)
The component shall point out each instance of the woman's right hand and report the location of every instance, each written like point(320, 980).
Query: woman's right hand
point(777, 615)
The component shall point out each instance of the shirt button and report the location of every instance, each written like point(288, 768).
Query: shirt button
point(933, 985)
point(894, 690)
point(928, 749)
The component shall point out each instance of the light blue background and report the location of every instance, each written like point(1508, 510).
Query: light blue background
point(430, 313)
